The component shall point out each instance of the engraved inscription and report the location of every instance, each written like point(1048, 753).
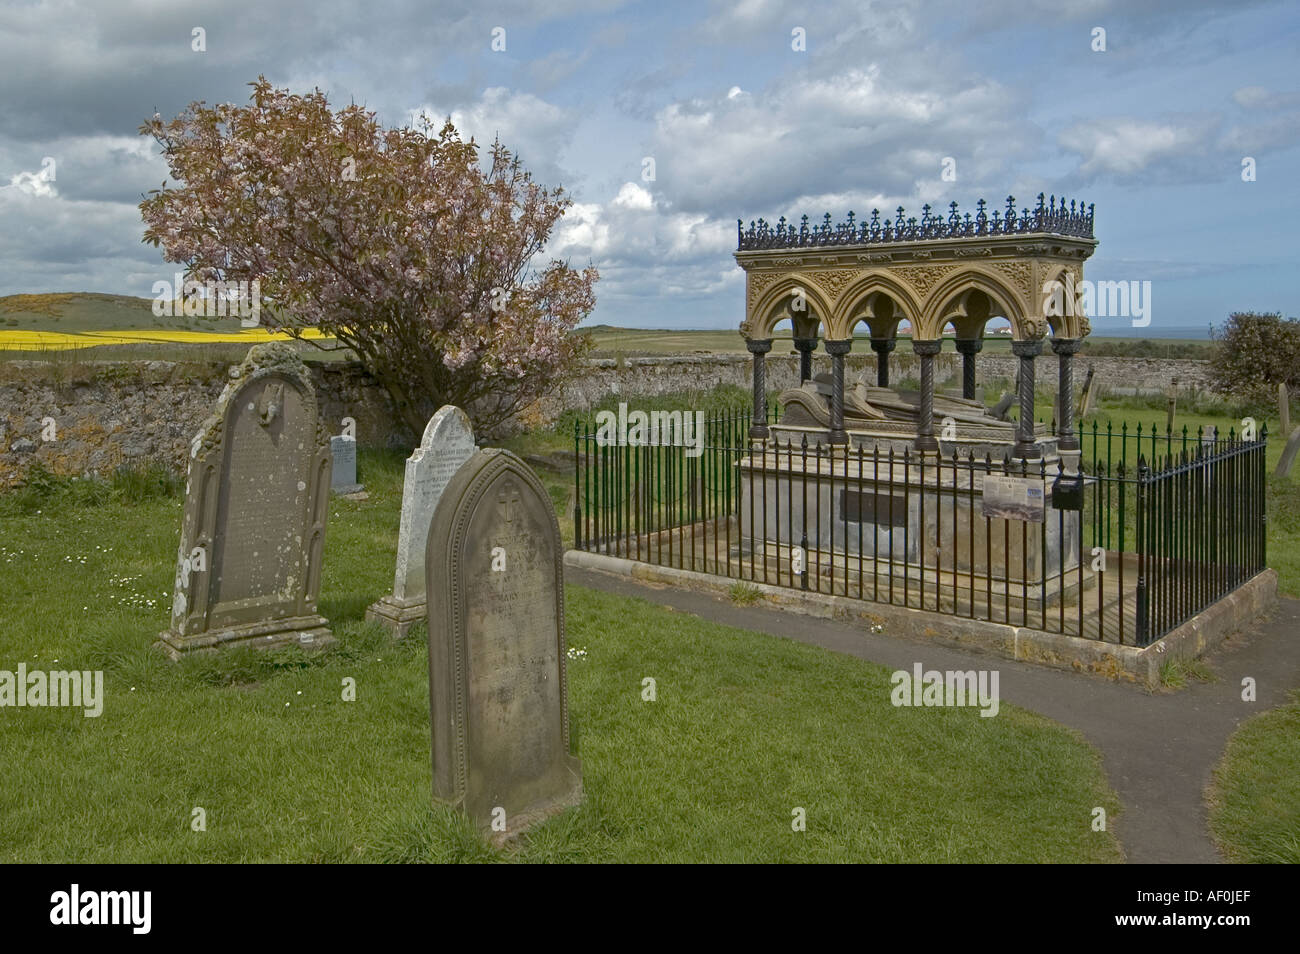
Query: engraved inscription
point(258, 545)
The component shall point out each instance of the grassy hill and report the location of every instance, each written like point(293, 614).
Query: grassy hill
point(73, 312)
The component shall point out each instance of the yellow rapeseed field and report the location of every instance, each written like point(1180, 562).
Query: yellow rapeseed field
point(21, 340)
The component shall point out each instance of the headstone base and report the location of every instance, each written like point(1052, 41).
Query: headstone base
point(346, 489)
point(519, 823)
point(309, 632)
point(397, 615)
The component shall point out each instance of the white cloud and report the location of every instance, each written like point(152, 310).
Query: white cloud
point(35, 183)
point(1124, 147)
point(632, 196)
point(540, 132)
point(866, 129)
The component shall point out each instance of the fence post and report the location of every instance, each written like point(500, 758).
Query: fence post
point(1142, 624)
point(577, 488)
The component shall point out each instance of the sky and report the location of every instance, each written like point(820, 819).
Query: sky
point(748, 109)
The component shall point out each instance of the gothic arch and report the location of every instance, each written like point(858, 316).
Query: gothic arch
point(772, 306)
point(863, 296)
point(980, 279)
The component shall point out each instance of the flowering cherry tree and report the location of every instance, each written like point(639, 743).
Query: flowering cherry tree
point(395, 242)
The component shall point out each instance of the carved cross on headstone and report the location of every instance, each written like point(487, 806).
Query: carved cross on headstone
point(507, 500)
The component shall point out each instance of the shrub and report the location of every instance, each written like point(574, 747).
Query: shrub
point(1254, 353)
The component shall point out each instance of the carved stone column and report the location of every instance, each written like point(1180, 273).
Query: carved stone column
point(805, 347)
point(1026, 448)
point(837, 350)
point(759, 347)
point(925, 440)
point(968, 348)
point(1066, 349)
point(882, 347)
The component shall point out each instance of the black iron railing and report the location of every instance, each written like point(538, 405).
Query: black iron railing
point(1157, 528)
point(1047, 217)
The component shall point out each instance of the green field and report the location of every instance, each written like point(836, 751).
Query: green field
point(80, 312)
point(746, 729)
point(636, 342)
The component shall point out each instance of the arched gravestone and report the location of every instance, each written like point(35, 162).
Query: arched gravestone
point(256, 501)
point(498, 693)
point(447, 443)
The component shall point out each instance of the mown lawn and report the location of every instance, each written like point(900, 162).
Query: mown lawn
point(745, 728)
point(1255, 795)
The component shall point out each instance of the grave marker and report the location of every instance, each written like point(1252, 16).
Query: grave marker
point(344, 471)
point(497, 681)
point(256, 503)
point(447, 443)
point(1289, 452)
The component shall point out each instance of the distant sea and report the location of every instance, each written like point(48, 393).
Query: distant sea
point(1101, 328)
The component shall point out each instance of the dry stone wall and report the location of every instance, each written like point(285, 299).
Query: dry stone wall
point(684, 374)
point(109, 414)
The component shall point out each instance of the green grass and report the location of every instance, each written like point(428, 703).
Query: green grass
point(1255, 795)
point(1174, 673)
point(611, 341)
point(745, 729)
point(743, 593)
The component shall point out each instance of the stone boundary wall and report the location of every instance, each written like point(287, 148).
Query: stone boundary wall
point(107, 414)
point(687, 373)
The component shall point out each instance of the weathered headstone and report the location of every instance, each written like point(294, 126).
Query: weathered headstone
point(1284, 408)
point(447, 443)
point(256, 501)
point(1289, 452)
point(1089, 393)
point(344, 472)
point(497, 687)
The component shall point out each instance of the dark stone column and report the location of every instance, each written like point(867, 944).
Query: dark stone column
point(837, 350)
point(1066, 349)
point(882, 347)
point(925, 441)
point(1026, 351)
point(805, 347)
point(968, 348)
point(759, 347)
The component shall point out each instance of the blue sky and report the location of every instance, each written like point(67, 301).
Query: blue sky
point(1153, 130)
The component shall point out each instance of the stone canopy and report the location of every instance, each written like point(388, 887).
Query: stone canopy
point(932, 272)
point(929, 273)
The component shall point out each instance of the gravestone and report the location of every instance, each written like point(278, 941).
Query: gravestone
point(344, 471)
point(498, 694)
point(447, 443)
point(256, 501)
point(1089, 392)
point(1289, 452)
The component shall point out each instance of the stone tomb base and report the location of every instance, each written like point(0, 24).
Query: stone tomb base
point(309, 632)
point(397, 615)
point(905, 521)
